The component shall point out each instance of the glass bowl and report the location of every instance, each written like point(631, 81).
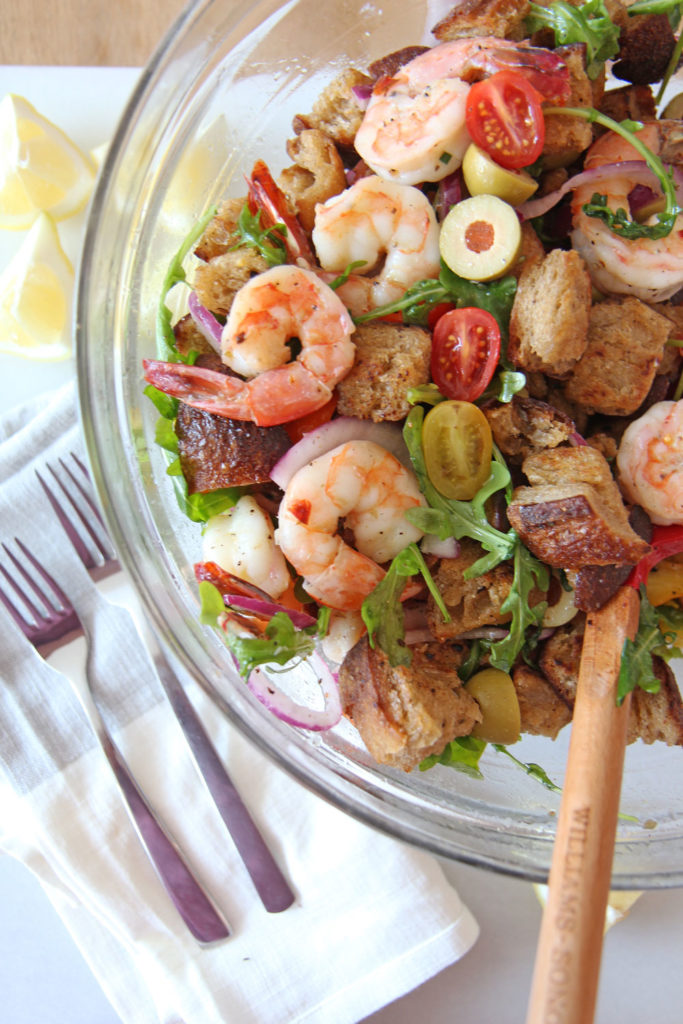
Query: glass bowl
point(219, 93)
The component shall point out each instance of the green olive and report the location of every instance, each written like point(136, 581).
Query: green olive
point(495, 694)
point(674, 108)
point(480, 238)
point(483, 176)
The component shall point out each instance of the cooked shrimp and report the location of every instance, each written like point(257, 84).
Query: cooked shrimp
point(379, 222)
point(414, 126)
point(363, 484)
point(650, 462)
point(267, 312)
point(241, 541)
point(651, 269)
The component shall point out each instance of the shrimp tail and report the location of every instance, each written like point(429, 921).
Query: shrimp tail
point(266, 196)
point(267, 400)
point(543, 69)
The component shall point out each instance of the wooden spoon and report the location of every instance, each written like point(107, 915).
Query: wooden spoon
point(565, 981)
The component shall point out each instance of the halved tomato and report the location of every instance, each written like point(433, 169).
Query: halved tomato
point(457, 445)
point(504, 117)
point(465, 352)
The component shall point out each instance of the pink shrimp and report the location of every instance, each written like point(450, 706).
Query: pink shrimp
point(363, 484)
point(650, 462)
point(414, 126)
point(282, 303)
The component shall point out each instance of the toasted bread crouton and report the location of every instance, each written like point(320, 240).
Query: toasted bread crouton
point(657, 717)
point(646, 44)
point(670, 131)
point(543, 711)
point(501, 18)
point(549, 321)
point(390, 63)
point(220, 234)
point(567, 137)
point(389, 359)
point(217, 281)
point(470, 603)
point(526, 425)
point(531, 251)
point(626, 341)
point(573, 514)
point(407, 712)
point(317, 175)
point(189, 338)
point(217, 452)
point(560, 656)
point(629, 102)
point(336, 112)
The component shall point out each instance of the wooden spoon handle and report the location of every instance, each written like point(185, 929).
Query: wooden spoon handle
point(565, 982)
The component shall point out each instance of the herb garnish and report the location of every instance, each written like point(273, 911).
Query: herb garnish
point(636, 661)
point(589, 23)
point(270, 242)
point(166, 344)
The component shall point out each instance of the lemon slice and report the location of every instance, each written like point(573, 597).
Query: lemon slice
point(40, 167)
point(36, 290)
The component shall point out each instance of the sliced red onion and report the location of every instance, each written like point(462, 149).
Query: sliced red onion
point(577, 440)
point(433, 545)
point(537, 207)
point(268, 608)
point(332, 434)
point(205, 321)
point(287, 710)
point(640, 196)
point(418, 636)
point(362, 94)
point(484, 633)
point(451, 191)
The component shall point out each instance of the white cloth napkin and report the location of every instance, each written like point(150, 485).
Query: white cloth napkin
point(373, 917)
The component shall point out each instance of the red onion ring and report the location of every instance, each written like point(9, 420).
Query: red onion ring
point(537, 207)
point(268, 608)
point(287, 710)
point(205, 322)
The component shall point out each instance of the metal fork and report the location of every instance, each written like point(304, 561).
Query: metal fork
point(54, 621)
point(74, 484)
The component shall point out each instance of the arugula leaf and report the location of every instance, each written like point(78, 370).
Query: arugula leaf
point(589, 23)
point(448, 518)
point(382, 611)
point(270, 242)
point(166, 345)
point(471, 662)
point(346, 274)
point(463, 754)
point(528, 574)
point(165, 404)
point(496, 297)
point(636, 660)
point(673, 8)
point(531, 768)
point(619, 222)
point(212, 603)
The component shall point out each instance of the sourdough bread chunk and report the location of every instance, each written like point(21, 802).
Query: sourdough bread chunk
point(550, 314)
point(501, 18)
point(630, 102)
point(336, 111)
point(407, 712)
point(217, 452)
point(189, 338)
point(316, 176)
point(543, 711)
point(218, 281)
point(573, 514)
point(471, 603)
point(626, 340)
point(567, 137)
point(526, 425)
point(221, 231)
point(389, 360)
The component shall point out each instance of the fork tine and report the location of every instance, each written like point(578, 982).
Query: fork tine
point(25, 598)
point(73, 535)
point(43, 573)
point(22, 622)
point(86, 494)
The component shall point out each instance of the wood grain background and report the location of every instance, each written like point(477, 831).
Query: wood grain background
point(120, 33)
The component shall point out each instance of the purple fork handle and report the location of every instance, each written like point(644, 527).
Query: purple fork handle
point(191, 902)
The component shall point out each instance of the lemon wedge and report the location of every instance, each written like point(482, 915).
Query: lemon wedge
point(36, 290)
point(40, 167)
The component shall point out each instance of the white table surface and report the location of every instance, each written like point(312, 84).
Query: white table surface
point(43, 978)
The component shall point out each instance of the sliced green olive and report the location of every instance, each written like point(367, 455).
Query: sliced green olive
point(480, 238)
point(457, 444)
point(495, 694)
point(674, 108)
point(483, 176)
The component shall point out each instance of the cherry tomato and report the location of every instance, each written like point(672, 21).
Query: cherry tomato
point(465, 352)
point(505, 118)
point(457, 445)
point(437, 312)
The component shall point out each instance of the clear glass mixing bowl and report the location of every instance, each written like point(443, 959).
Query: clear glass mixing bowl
point(219, 93)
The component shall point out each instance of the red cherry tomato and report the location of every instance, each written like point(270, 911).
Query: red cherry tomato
point(504, 117)
point(465, 352)
point(437, 312)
